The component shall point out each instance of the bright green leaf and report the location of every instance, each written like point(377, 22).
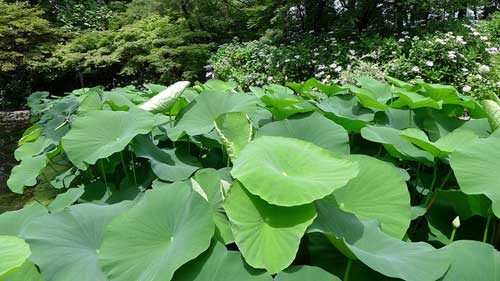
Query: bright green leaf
point(268, 236)
point(290, 172)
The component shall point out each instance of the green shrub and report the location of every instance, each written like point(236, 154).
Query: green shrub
point(154, 49)
point(25, 37)
point(322, 56)
point(465, 58)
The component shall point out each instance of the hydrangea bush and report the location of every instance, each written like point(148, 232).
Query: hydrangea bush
point(465, 58)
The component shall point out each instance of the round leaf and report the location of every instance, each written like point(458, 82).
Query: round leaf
point(99, 134)
point(25, 173)
point(170, 226)
point(378, 192)
point(475, 165)
point(473, 260)
point(65, 243)
point(290, 172)
point(198, 118)
point(314, 128)
point(27, 272)
point(268, 236)
point(219, 264)
point(13, 253)
point(303, 273)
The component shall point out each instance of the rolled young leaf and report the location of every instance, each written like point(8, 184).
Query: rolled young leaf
point(166, 98)
point(493, 111)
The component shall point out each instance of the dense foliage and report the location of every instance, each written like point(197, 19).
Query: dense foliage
point(86, 55)
point(465, 57)
point(154, 49)
point(365, 181)
point(25, 38)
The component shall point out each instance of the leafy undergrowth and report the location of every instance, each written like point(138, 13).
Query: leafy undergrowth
point(374, 181)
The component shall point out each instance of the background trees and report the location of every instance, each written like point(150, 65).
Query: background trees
point(107, 42)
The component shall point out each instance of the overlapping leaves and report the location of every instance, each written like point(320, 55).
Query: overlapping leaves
point(226, 185)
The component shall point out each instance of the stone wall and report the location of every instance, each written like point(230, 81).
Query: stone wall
point(12, 126)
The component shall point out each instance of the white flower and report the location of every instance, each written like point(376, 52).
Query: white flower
point(475, 33)
point(466, 89)
point(492, 51)
point(484, 69)
point(401, 40)
point(338, 68)
point(451, 55)
point(352, 52)
point(333, 65)
point(498, 84)
point(429, 63)
point(415, 69)
point(483, 38)
point(270, 78)
point(441, 41)
point(460, 39)
point(352, 42)
point(415, 38)
point(465, 70)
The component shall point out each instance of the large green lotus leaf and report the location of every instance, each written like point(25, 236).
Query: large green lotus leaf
point(268, 236)
point(475, 165)
point(446, 94)
point(100, 134)
point(31, 149)
point(13, 253)
point(66, 199)
point(369, 99)
point(304, 273)
point(65, 243)
point(313, 128)
point(290, 172)
point(379, 251)
point(395, 145)
point(27, 272)
point(398, 259)
point(167, 164)
point(198, 117)
point(285, 112)
point(220, 86)
point(25, 173)
point(280, 97)
point(219, 264)
point(378, 192)
point(14, 223)
point(235, 131)
point(472, 260)
point(211, 185)
point(396, 118)
point(308, 89)
point(443, 146)
point(373, 93)
point(413, 100)
point(324, 255)
point(170, 226)
point(347, 112)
